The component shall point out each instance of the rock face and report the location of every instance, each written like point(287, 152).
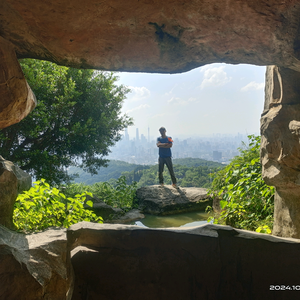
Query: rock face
point(130, 262)
point(35, 266)
point(174, 36)
point(280, 148)
point(153, 36)
point(13, 180)
point(206, 262)
point(166, 200)
point(17, 99)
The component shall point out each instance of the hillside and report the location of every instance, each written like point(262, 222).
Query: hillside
point(196, 162)
point(114, 170)
point(189, 171)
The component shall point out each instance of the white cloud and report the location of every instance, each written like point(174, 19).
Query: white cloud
point(138, 93)
point(253, 86)
point(159, 115)
point(214, 76)
point(142, 106)
point(179, 101)
point(175, 100)
point(166, 115)
point(171, 91)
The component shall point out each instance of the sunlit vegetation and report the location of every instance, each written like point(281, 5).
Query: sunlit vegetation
point(246, 201)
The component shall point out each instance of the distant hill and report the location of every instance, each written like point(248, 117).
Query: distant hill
point(116, 168)
point(196, 162)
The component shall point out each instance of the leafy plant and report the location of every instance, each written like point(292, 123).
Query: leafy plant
point(246, 201)
point(42, 207)
point(121, 195)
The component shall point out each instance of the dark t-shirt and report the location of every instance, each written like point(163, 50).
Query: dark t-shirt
point(164, 152)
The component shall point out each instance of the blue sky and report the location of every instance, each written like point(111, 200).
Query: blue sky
point(216, 98)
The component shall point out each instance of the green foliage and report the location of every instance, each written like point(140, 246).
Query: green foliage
point(246, 201)
point(120, 195)
point(264, 229)
point(199, 176)
point(42, 207)
point(77, 119)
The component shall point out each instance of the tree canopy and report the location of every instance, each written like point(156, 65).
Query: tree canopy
point(77, 118)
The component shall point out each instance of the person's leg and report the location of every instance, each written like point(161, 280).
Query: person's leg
point(169, 164)
point(161, 164)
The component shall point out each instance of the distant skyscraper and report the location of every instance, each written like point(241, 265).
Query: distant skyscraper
point(137, 135)
point(148, 135)
point(126, 135)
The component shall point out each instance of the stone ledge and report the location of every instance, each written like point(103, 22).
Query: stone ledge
point(157, 200)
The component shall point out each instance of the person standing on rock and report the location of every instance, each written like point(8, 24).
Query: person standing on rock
point(164, 143)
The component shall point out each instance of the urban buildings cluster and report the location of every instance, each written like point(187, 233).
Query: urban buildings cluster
point(143, 150)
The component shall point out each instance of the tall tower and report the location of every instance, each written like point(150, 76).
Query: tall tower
point(148, 134)
point(137, 138)
point(126, 135)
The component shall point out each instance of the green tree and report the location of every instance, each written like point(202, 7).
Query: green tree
point(77, 118)
point(246, 201)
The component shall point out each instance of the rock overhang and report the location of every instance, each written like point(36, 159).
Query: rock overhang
point(170, 36)
point(154, 36)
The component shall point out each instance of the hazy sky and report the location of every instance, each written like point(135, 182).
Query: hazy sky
point(216, 98)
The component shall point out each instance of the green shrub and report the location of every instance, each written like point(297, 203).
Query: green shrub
point(246, 201)
point(118, 195)
point(42, 207)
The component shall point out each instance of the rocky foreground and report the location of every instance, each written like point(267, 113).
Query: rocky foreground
point(105, 261)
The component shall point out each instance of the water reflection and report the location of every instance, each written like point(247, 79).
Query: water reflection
point(180, 220)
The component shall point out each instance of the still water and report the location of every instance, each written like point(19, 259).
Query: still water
point(184, 219)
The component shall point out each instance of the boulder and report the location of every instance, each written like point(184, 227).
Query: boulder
point(111, 214)
point(35, 266)
point(157, 200)
point(13, 180)
point(128, 217)
point(17, 98)
point(101, 209)
point(205, 262)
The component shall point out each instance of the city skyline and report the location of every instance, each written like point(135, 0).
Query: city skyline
point(152, 137)
point(216, 98)
point(140, 150)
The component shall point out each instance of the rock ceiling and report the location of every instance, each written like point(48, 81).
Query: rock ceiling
point(143, 36)
point(153, 35)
